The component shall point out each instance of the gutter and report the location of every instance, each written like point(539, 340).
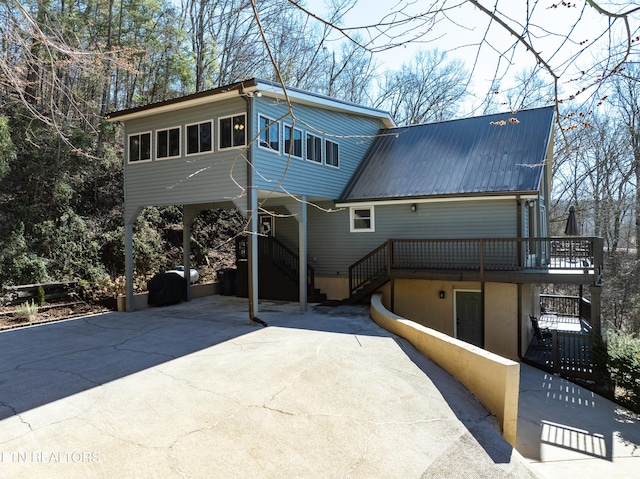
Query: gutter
point(438, 199)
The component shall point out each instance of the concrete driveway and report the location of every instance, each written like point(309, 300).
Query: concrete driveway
point(194, 390)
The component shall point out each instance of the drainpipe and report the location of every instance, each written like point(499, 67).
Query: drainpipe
point(252, 210)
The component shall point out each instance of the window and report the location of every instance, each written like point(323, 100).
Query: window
point(331, 149)
point(168, 143)
point(139, 147)
point(199, 137)
point(314, 148)
point(232, 131)
point(292, 141)
point(362, 219)
point(269, 134)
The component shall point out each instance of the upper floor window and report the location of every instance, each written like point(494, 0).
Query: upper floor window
point(292, 141)
point(168, 143)
point(362, 219)
point(314, 148)
point(140, 147)
point(331, 149)
point(199, 138)
point(269, 133)
point(232, 131)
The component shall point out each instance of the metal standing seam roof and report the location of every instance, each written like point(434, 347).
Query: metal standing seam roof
point(492, 154)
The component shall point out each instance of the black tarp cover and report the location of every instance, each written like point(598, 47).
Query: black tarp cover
point(166, 288)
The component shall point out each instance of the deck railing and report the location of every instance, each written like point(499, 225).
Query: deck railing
point(582, 255)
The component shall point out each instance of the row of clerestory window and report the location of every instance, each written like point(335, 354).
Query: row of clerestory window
point(199, 139)
point(288, 140)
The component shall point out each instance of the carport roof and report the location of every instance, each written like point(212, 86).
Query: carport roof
point(487, 155)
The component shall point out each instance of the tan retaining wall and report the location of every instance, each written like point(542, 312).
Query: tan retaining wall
point(494, 380)
point(140, 299)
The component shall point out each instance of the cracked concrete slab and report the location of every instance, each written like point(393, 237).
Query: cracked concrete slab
point(195, 390)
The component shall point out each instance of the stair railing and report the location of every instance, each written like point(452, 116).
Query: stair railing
point(272, 249)
point(374, 267)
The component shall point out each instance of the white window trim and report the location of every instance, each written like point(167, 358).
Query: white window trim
point(186, 138)
point(238, 147)
point(327, 140)
point(352, 227)
point(268, 132)
point(151, 145)
point(302, 142)
point(305, 152)
point(155, 150)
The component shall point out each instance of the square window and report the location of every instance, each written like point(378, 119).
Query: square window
point(269, 134)
point(331, 149)
point(314, 148)
point(292, 141)
point(362, 219)
point(168, 143)
point(199, 138)
point(232, 131)
point(139, 147)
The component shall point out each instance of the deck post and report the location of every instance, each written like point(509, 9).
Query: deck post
point(302, 253)
point(596, 292)
point(555, 351)
point(128, 265)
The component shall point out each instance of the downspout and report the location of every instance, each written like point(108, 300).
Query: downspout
point(252, 209)
point(519, 236)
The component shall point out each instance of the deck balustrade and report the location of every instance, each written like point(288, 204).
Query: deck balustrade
point(581, 255)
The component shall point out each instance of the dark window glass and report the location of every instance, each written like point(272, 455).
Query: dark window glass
point(134, 148)
point(193, 142)
point(332, 153)
point(225, 133)
point(162, 144)
point(174, 142)
point(293, 141)
point(205, 136)
point(314, 148)
point(239, 130)
point(145, 146)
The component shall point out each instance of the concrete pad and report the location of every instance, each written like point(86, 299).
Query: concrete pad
point(565, 430)
point(194, 390)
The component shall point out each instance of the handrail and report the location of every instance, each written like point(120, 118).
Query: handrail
point(270, 247)
point(376, 264)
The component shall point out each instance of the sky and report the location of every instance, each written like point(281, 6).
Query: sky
point(553, 33)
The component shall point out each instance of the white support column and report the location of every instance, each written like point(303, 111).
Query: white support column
point(186, 249)
point(128, 265)
point(302, 253)
point(252, 253)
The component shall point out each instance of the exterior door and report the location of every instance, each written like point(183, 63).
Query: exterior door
point(468, 317)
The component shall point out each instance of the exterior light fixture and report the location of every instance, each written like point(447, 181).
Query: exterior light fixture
point(531, 203)
point(414, 207)
point(441, 294)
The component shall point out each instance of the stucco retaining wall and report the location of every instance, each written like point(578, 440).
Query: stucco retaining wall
point(494, 380)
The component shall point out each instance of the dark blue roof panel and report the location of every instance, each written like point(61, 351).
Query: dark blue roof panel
point(492, 154)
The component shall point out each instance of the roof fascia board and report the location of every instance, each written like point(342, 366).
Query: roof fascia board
point(175, 106)
point(249, 88)
point(524, 196)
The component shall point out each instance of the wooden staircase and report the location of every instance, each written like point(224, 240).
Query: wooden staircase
point(369, 273)
point(278, 271)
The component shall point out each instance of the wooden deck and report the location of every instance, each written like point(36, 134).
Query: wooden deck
point(569, 354)
point(508, 260)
